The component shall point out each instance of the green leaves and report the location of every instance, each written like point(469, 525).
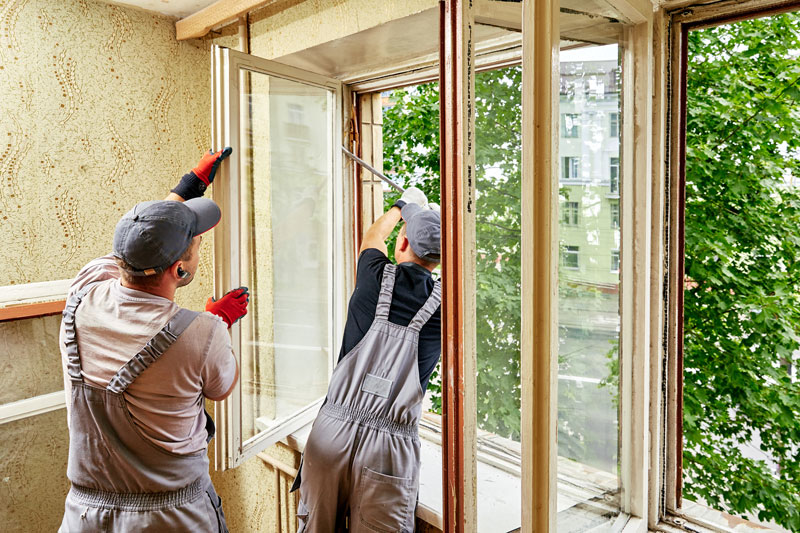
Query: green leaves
point(742, 311)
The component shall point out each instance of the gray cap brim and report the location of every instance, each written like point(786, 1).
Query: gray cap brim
point(206, 212)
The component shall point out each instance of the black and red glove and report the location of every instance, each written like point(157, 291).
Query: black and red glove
point(195, 183)
point(231, 307)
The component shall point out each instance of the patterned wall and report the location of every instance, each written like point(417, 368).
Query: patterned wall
point(102, 108)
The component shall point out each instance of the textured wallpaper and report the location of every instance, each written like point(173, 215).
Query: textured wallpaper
point(30, 362)
point(33, 473)
point(102, 108)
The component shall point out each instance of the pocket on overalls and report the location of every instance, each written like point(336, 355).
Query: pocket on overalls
point(302, 517)
point(218, 516)
point(386, 502)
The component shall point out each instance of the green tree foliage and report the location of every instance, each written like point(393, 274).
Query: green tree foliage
point(742, 296)
point(411, 150)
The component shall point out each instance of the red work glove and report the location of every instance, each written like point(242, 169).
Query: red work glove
point(230, 307)
point(195, 183)
point(206, 169)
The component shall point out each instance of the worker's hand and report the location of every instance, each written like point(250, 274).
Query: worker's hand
point(206, 169)
point(230, 307)
point(412, 195)
point(195, 183)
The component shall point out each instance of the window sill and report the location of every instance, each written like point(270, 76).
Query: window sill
point(584, 493)
point(33, 300)
point(699, 518)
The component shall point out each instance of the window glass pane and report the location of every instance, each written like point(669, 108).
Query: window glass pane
point(589, 291)
point(498, 271)
point(285, 247)
point(30, 358)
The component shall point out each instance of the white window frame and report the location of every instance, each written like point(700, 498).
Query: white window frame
point(570, 163)
point(571, 251)
point(571, 213)
point(576, 127)
point(613, 181)
point(22, 302)
point(227, 128)
point(613, 206)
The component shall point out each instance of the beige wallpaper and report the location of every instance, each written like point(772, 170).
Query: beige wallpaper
point(102, 108)
point(33, 473)
point(30, 362)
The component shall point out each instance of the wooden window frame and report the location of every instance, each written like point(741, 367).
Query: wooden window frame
point(677, 23)
point(539, 342)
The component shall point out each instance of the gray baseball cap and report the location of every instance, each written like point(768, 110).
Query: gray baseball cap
point(153, 235)
point(424, 231)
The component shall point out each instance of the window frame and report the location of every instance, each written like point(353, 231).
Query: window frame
point(569, 252)
point(613, 125)
point(27, 301)
point(613, 180)
point(540, 156)
point(570, 212)
point(568, 164)
point(677, 23)
point(576, 128)
point(231, 449)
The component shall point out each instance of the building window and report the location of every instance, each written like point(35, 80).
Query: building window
point(569, 213)
point(570, 168)
point(614, 260)
point(613, 173)
point(614, 215)
point(613, 124)
point(569, 257)
point(295, 113)
point(569, 125)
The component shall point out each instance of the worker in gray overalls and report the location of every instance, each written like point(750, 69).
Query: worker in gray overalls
point(138, 368)
point(362, 457)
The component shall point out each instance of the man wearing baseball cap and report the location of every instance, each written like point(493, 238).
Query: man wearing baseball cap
point(138, 369)
point(363, 454)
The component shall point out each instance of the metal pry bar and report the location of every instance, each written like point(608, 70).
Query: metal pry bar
point(366, 165)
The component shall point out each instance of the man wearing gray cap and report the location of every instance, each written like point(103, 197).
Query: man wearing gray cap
point(363, 454)
point(138, 368)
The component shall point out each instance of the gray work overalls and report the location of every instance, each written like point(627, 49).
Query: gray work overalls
point(120, 481)
point(363, 453)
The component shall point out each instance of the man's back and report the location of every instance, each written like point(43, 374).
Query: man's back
point(413, 286)
point(166, 401)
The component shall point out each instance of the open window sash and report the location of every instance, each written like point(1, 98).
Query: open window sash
point(278, 237)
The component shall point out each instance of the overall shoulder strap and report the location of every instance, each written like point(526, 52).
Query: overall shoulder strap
point(70, 337)
point(428, 308)
point(385, 297)
point(154, 349)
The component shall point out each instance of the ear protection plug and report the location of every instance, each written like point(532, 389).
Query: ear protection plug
point(182, 273)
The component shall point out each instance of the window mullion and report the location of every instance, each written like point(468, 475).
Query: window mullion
point(539, 335)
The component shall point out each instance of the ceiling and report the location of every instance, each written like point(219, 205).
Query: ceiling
point(173, 8)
